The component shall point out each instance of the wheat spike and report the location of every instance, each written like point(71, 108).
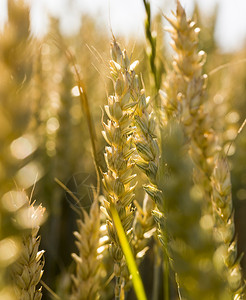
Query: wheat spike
point(184, 99)
point(117, 181)
point(87, 278)
point(225, 229)
point(27, 271)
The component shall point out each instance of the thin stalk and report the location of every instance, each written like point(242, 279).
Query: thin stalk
point(221, 67)
point(155, 70)
point(131, 263)
point(152, 41)
point(52, 293)
point(86, 109)
point(165, 265)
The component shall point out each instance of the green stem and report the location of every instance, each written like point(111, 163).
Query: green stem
point(155, 78)
point(152, 43)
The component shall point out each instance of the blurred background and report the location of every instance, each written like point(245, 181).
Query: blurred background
point(126, 18)
point(44, 133)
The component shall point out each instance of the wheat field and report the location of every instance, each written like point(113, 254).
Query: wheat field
point(122, 163)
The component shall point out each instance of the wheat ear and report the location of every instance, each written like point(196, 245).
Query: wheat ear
point(27, 271)
point(184, 99)
point(117, 181)
point(226, 254)
point(169, 195)
point(143, 224)
point(87, 278)
point(147, 160)
point(189, 243)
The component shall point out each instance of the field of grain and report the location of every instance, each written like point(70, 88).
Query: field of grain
point(122, 164)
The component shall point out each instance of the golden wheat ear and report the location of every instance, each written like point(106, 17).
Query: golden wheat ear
point(87, 278)
point(117, 180)
point(184, 99)
point(27, 271)
point(226, 256)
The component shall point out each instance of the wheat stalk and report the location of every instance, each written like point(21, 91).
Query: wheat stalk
point(151, 38)
point(143, 229)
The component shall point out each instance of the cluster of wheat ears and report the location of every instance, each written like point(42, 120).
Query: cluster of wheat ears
point(187, 213)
